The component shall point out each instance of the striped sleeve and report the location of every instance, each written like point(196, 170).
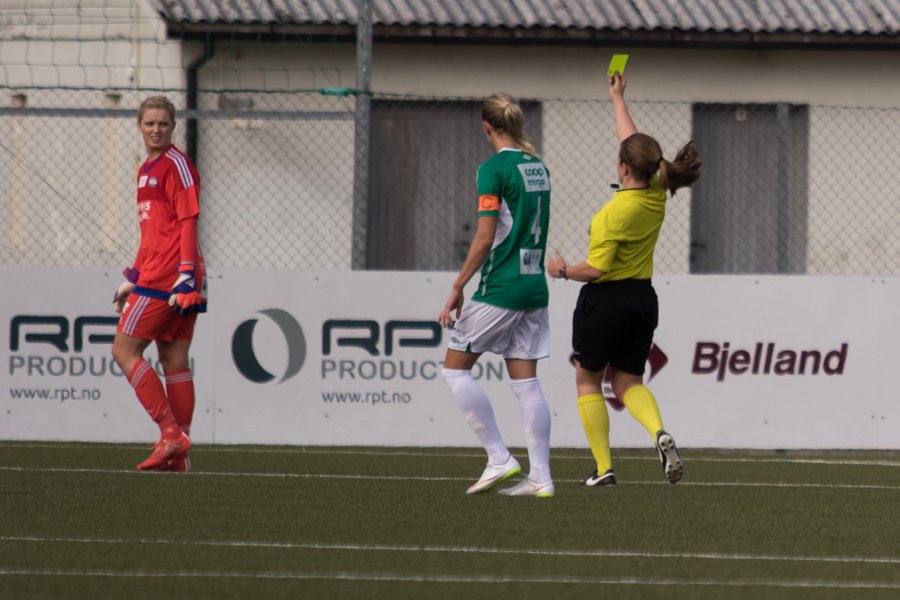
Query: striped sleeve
point(184, 166)
point(184, 185)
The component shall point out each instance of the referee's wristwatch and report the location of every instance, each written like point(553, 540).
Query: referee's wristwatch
point(562, 272)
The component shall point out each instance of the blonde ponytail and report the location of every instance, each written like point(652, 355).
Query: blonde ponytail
point(504, 114)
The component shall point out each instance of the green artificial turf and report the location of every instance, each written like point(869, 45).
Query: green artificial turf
point(319, 522)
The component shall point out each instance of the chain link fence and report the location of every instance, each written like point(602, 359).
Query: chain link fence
point(784, 188)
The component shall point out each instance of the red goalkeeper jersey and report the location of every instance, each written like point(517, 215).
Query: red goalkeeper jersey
point(168, 192)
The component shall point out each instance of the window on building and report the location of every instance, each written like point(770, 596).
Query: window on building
point(749, 208)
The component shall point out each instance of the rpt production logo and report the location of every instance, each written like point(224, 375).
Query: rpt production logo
point(245, 358)
point(375, 340)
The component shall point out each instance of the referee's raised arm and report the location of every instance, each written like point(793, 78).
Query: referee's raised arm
point(625, 126)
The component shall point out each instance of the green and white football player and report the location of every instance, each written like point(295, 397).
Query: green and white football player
point(507, 314)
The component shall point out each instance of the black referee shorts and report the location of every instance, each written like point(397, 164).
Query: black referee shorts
point(613, 324)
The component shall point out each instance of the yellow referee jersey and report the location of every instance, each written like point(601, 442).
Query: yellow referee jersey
point(624, 233)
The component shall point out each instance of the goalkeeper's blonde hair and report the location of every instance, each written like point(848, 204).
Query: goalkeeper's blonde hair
point(157, 102)
point(503, 113)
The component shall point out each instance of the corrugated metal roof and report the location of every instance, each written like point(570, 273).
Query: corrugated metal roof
point(863, 17)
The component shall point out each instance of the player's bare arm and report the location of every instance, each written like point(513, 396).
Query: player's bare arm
point(485, 231)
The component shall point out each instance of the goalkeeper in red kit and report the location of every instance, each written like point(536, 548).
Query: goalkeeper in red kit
point(164, 289)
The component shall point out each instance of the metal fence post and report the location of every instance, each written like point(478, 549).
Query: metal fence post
point(361, 137)
point(782, 182)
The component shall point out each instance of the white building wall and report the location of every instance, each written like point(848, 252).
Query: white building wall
point(120, 45)
point(834, 77)
point(582, 155)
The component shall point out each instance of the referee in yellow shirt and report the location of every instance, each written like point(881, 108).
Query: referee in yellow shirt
point(617, 310)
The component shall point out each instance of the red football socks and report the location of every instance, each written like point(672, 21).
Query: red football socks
point(150, 392)
point(180, 392)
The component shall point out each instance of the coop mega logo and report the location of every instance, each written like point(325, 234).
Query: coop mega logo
point(245, 358)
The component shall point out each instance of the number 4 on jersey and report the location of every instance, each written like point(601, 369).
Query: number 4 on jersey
point(536, 224)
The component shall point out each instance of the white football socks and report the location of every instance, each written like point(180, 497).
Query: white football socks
point(475, 405)
point(536, 421)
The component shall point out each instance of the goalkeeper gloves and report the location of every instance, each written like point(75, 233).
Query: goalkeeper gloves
point(121, 297)
point(185, 296)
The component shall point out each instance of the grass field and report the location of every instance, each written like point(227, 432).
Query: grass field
point(314, 522)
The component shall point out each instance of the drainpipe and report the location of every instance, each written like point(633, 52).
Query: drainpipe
point(192, 71)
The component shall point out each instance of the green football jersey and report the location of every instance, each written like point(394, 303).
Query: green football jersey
point(513, 273)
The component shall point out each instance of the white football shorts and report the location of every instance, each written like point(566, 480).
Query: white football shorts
point(517, 334)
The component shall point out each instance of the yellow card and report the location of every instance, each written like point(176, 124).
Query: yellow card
point(617, 64)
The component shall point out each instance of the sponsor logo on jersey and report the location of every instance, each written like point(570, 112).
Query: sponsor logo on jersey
point(530, 261)
point(535, 177)
point(144, 210)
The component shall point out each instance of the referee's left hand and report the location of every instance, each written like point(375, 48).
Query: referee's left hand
point(555, 264)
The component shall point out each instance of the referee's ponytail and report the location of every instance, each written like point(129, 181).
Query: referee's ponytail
point(681, 172)
point(644, 157)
